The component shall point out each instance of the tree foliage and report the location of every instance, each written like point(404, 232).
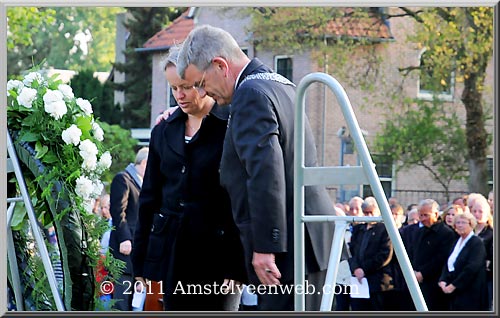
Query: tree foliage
point(461, 39)
point(429, 137)
point(58, 36)
point(142, 24)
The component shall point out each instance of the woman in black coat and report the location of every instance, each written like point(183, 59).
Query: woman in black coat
point(186, 237)
point(464, 275)
point(372, 252)
point(481, 210)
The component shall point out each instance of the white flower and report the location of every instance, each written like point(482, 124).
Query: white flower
point(88, 205)
point(84, 187)
point(98, 187)
point(84, 105)
point(72, 135)
point(89, 162)
point(52, 96)
point(26, 97)
point(56, 109)
point(105, 161)
point(98, 132)
point(14, 84)
point(54, 103)
point(66, 90)
point(87, 147)
point(32, 76)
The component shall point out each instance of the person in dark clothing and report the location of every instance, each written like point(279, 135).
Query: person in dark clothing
point(124, 206)
point(257, 163)
point(186, 235)
point(372, 252)
point(481, 210)
point(433, 243)
point(463, 277)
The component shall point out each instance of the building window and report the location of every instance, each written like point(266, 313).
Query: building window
point(490, 165)
point(432, 84)
point(385, 171)
point(284, 66)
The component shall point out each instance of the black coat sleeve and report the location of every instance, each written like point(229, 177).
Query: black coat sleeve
point(256, 139)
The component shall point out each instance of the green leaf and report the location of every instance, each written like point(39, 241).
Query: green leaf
point(50, 157)
point(40, 149)
point(85, 124)
point(18, 217)
point(29, 137)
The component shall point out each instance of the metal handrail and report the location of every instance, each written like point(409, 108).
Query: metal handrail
point(44, 254)
point(368, 168)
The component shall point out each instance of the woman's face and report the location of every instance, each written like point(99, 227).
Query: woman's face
point(187, 97)
point(449, 217)
point(463, 226)
point(480, 213)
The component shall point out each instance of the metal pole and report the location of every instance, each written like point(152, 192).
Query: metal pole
point(44, 254)
point(332, 272)
point(299, 201)
point(13, 266)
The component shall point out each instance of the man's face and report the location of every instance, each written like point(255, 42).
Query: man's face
point(427, 216)
point(214, 82)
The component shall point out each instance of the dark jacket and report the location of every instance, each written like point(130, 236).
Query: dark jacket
point(469, 277)
point(185, 229)
point(432, 247)
point(123, 207)
point(486, 235)
point(372, 251)
point(257, 171)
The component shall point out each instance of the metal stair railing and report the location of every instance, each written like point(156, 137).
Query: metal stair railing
point(13, 166)
point(364, 174)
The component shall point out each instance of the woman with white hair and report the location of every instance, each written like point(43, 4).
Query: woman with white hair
point(464, 275)
point(484, 230)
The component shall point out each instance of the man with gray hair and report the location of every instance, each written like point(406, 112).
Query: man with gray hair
point(257, 163)
point(433, 243)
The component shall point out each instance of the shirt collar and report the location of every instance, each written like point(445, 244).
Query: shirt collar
point(239, 75)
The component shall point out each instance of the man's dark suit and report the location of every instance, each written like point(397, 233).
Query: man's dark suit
point(124, 207)
point(257, 171)
point(432, 247)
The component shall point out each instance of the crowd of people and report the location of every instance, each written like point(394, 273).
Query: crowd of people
point(451, 252)
point(210, 204)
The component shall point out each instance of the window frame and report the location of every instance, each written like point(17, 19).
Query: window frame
point(428, 95)
point(284, 57)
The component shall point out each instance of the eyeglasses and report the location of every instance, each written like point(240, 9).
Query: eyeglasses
point(201, 84)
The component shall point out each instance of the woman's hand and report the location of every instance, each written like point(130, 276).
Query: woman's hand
point(166, 113)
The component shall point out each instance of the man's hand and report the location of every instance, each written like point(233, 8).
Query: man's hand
point(266, 269)
point(166, 113)
point(139, 287)
point(126, 247)
point(359, 273)
point(419, 276)
point(449, 289)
